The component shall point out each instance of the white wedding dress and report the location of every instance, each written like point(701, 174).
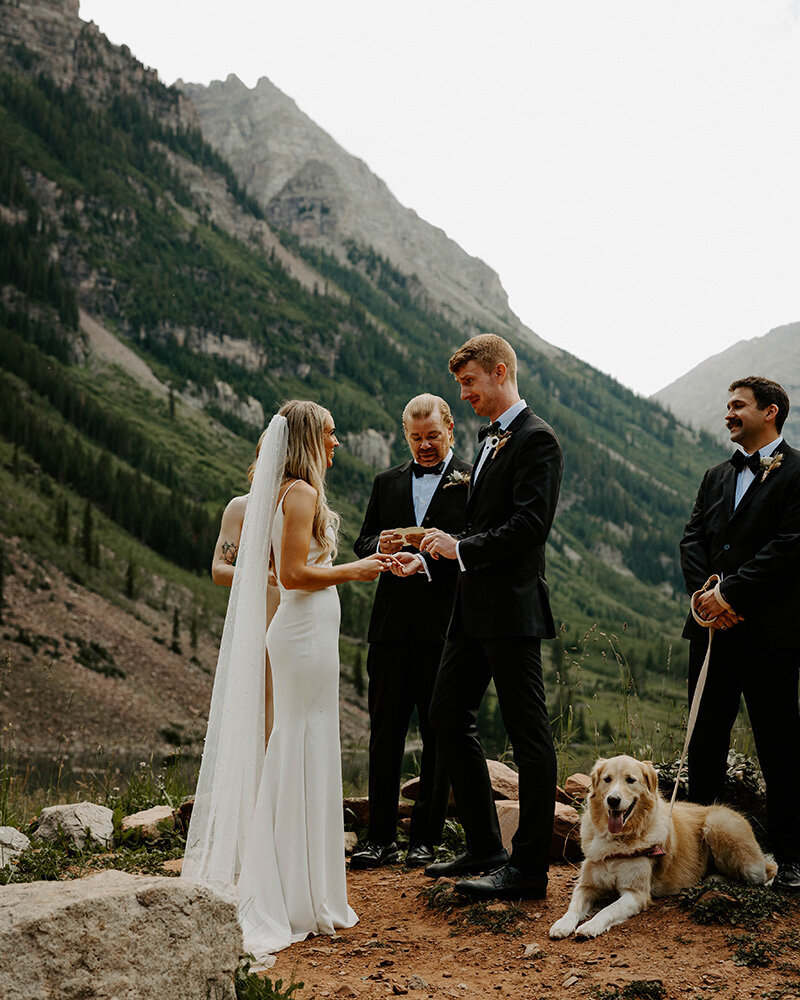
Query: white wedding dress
point(292, 881)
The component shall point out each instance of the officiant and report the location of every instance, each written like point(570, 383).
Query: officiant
point(407, 629)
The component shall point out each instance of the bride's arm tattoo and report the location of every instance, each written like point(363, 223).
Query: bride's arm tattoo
point(229, 551)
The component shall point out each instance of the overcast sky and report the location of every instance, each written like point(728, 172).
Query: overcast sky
point(630, 169)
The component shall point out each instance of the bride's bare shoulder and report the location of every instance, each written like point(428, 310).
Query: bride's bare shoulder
point(297, 494)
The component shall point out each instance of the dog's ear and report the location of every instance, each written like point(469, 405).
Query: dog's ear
point(597, 772)
point(650, 775)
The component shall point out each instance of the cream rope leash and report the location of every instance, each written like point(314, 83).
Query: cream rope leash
point(710, 583)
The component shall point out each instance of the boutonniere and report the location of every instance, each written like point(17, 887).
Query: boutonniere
point(770, 463)
point(498, 441)
point(456, 478)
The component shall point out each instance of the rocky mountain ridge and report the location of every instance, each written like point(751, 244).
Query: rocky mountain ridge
point(698, 397)
point(311, 187)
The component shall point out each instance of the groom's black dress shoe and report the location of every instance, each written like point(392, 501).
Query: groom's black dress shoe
point(419, 855)
point(372, 855)
point(788, 877)
point(467, 864)
point(505, 883)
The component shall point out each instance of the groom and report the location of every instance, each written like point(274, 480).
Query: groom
point(501, 614)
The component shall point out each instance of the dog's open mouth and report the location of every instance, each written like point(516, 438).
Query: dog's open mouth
point(617, 818)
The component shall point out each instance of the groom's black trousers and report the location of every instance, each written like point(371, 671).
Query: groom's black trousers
point(401, 676)
point(744, 664)
point(515, 663)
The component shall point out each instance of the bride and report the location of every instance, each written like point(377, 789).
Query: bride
point(272, 824)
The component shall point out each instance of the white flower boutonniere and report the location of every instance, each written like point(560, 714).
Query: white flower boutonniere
point(456, 478)
point(498, 441)
point(770, 463)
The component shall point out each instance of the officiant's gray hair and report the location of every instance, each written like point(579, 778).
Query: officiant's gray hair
point(422, 406)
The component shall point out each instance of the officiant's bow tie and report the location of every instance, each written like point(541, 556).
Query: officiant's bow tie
point(427, 470)
point(493, 428)
point(741, 461)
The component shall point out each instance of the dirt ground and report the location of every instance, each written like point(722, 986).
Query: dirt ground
point(400, 946)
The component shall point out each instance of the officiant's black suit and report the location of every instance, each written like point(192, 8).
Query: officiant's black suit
point(500, 615)
point(756, 550)
point(406, 635)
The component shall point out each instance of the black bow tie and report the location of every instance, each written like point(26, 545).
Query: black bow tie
point(741, 461)
point(427, 470)
point(493, 428)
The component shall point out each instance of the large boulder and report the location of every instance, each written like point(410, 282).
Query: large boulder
point(77, 821)
point(504, 781)
point(12, 844)
point(566, 841)
point(116, 935)
point(147, 821)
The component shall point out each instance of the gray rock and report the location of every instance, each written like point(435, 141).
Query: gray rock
point(116, 935)
point(148, 821)
point(417, 983)
point(78, 821)
point(12, 844)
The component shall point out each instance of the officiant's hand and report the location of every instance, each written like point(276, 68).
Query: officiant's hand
point(438, 543)
point(390, 541)
point(406, 564)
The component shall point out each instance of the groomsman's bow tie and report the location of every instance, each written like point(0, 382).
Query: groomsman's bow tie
point(740, 461)
point(427, 470)
point(487, 429)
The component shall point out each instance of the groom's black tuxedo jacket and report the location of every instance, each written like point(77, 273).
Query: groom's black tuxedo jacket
point(510, 509)
point(755, 548)
point(413, 607)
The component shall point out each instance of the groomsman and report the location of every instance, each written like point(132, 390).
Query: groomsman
point(407, 629)
point(501, 614)
point(745, 527)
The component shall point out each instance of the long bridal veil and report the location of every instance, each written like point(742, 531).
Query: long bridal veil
point(233, 755)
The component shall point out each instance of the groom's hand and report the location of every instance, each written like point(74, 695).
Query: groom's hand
point(438, 543)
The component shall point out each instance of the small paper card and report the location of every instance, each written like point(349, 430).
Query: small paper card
point(411, 536)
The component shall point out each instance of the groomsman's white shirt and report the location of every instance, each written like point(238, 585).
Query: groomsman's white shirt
point(423, 487)
point(746, 476)
point(504, 420)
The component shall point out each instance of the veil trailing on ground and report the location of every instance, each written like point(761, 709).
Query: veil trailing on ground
point(233, 755)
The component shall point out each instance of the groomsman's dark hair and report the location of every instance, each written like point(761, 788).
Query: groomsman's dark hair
point(766, 392)
point(487, 350)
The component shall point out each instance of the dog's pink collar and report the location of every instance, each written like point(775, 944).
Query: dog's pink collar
point(656, 851)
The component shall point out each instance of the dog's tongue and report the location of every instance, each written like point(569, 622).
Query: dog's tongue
point(615, 822)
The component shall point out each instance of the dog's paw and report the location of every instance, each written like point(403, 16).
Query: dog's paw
point(564, 927)
point(590, 929)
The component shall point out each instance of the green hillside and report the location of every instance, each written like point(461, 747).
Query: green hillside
point(94, 214)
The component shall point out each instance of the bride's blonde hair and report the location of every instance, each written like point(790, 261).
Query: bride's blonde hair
point(305, 459)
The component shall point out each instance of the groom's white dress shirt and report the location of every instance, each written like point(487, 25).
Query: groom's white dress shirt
point(504, 420)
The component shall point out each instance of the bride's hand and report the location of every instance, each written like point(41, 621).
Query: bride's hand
point(371, 567)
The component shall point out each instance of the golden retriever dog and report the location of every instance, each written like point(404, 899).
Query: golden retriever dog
point(634, 848)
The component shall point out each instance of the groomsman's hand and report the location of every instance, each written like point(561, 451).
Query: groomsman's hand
point(438, 543)
point(709, 607)
point(406, 564)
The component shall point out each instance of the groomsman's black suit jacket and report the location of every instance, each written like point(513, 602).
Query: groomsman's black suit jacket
point(755, 548)
point(510, 509)
point(413, 607)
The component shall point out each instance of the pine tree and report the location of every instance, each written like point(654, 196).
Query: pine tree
point(176, 631)
point(2, 578)
point(87, 533)
point(130, 579)
point(62, 521)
